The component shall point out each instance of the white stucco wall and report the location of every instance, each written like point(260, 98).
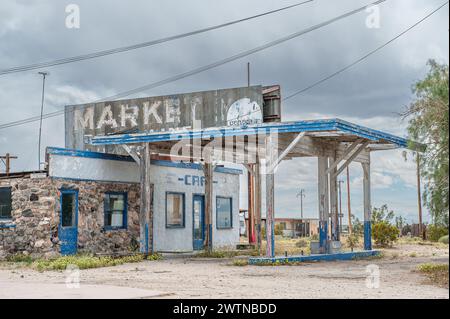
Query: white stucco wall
point(171, 179)
point(85, 168)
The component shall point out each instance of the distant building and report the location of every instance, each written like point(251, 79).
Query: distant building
point(298, 227)
point(292, 227)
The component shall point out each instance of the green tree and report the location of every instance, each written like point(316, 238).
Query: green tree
point(382, 214)
point(428, 124)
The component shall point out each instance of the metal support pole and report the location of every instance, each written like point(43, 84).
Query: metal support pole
point(208, 169)
point(270, 194)
point(258, 205)
point(349, 206)
point(367, 208)
point(145, 214)
point(323, 202)
point(44, 74)
point(251, 205)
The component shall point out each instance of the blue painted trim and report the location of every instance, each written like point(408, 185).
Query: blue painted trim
point(123, 158)
point(88, 154)
point(272, 242)
point(367, 235)
point(124, 212)
point(8, 191)
point(90, 180)
point(210, 236)
point(7, 226)
point(184, 211)
point(323, 233)
point(68, 191)
point(265, 128)
point(231, 212)
point(146, 238)
point(321, 257)
point(201, 198)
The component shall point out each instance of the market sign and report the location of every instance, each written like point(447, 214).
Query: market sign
point(218, 108)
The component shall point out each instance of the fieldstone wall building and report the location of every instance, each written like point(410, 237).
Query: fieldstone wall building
point(88, 202)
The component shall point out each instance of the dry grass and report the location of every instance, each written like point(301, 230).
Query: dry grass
point(81, 261)
point(291, 246)
point(436, 274)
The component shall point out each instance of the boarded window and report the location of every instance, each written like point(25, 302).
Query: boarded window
point(115, 210)
point(224, 213)
point(5, 202)
point(174, 209)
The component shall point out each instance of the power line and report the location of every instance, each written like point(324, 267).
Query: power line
point(365, 56)
point(203, 68)
point(138, 45)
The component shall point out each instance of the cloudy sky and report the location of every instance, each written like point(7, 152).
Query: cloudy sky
point(371, 93)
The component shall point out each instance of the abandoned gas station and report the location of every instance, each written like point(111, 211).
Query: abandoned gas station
point(260, 145)
point(210, 130)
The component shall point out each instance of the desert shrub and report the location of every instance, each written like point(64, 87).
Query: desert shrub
point(436, 273)
point(444, 239)
point(357, 225)
point(84, 262)
point(301, 243)
point(434, 232)
point(384, 234)
point(240, 262)
point(278, 229)
point(223, 253)
point(263, 232)
point(19, 258)
point(352, 241)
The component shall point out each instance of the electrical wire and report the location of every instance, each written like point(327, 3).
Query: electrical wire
point(138, 45)
point(200, 69)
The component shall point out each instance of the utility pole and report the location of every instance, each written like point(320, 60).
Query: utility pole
point(340, 206)
point(301, 194)
point(349, 206)
point(7, 160)
point(44, 74)
point(419, 195)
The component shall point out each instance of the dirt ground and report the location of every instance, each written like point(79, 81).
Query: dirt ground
point(176, 277)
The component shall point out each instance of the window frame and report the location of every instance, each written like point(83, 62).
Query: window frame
point(124, 215)
point(184, 210)
point(231, 212)
point(10, 205)
point(63, 192)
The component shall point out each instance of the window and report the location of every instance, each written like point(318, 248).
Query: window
point(115, 210)
point(5, 202)
point(68, 209)
point(224, 213)
point(174, 210)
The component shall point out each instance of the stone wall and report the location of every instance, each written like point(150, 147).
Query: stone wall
point(33, 228)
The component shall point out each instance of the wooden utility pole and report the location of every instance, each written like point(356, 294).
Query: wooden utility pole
point(349, 206)
point(7, 160)
point(419, 196)
point(340, 206)
point(301, 195)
